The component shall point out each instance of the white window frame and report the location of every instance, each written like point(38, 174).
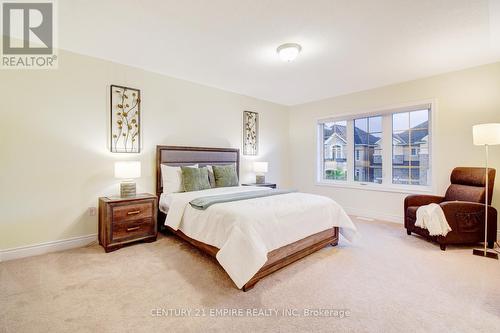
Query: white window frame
point(386, 185)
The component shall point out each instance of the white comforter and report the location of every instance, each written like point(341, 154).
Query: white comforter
point(245, 231)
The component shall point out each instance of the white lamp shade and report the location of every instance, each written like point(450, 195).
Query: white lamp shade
point(486, 134)
point(260, 167)
point(128, 169)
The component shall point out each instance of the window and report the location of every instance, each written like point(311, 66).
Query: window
point(334, 144)
point(389, 149)
point(367, 144)
point(410, 147)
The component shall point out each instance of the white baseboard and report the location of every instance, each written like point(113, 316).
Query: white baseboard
point(53, 246)
point(374, 215)
point(75, 242)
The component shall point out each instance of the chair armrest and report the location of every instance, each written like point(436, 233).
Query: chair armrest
point(466, 207)
point(422, 200)
point(465, 212)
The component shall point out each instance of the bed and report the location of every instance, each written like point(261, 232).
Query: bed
point(276, 258)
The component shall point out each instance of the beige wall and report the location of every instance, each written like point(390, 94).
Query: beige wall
point(463, 98)
point(54, 130)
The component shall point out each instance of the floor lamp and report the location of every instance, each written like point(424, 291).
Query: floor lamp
point(486, 135)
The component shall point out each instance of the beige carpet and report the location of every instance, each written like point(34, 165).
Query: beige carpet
point(388, 281)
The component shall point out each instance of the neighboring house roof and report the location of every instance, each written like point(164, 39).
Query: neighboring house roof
point(335, 136)
point(336, 129)
point(363, 138)
point(419, 134)
point(360, 136)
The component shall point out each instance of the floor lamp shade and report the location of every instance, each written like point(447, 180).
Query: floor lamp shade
point(127, 171)
point(486, 135)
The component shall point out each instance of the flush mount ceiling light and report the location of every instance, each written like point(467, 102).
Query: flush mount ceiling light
point(289, 51)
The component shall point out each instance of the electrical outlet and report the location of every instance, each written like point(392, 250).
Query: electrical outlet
point(92, 211)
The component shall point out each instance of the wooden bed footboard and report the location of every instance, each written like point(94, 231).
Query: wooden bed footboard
point(278, 258)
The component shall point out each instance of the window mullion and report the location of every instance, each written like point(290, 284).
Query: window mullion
point(387, 149)
point(321, 147)
point(350, 151)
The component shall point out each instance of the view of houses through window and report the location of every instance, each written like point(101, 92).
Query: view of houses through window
point(335, 150)
point(410, 147)
point(410, 162)
point(368, 149)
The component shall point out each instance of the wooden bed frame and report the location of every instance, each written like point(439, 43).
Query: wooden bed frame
point(276, 259)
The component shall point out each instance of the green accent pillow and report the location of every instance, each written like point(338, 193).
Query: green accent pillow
point(194, 179)
point(225, 175)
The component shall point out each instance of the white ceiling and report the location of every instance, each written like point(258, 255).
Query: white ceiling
point(348, 45)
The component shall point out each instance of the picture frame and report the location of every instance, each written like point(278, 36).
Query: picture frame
point(125, 119)
point(250, 133)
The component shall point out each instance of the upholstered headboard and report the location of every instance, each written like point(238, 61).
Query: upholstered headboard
point(178, 156)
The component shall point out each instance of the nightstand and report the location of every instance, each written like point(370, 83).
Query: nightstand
point(126, 220)
point(270, 185)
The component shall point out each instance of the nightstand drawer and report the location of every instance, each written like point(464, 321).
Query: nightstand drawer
point(132, 212)
point(132, 229)
point(126, 220)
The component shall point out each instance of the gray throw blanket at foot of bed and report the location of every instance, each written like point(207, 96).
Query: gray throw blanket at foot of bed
point(203, 203)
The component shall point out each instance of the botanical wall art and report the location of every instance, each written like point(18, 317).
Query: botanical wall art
point(250, 133)
point(125, 120)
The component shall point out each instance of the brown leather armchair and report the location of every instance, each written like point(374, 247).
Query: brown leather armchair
point(463, 206)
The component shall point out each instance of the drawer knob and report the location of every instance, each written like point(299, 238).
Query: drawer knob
point(132, 229)
point(134, 212)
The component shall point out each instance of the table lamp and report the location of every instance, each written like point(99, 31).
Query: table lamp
point(127, 171)
point(486, 135)
point(260, 169)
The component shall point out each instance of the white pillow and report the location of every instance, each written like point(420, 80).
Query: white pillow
point(172, 178)
point(211, 177)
